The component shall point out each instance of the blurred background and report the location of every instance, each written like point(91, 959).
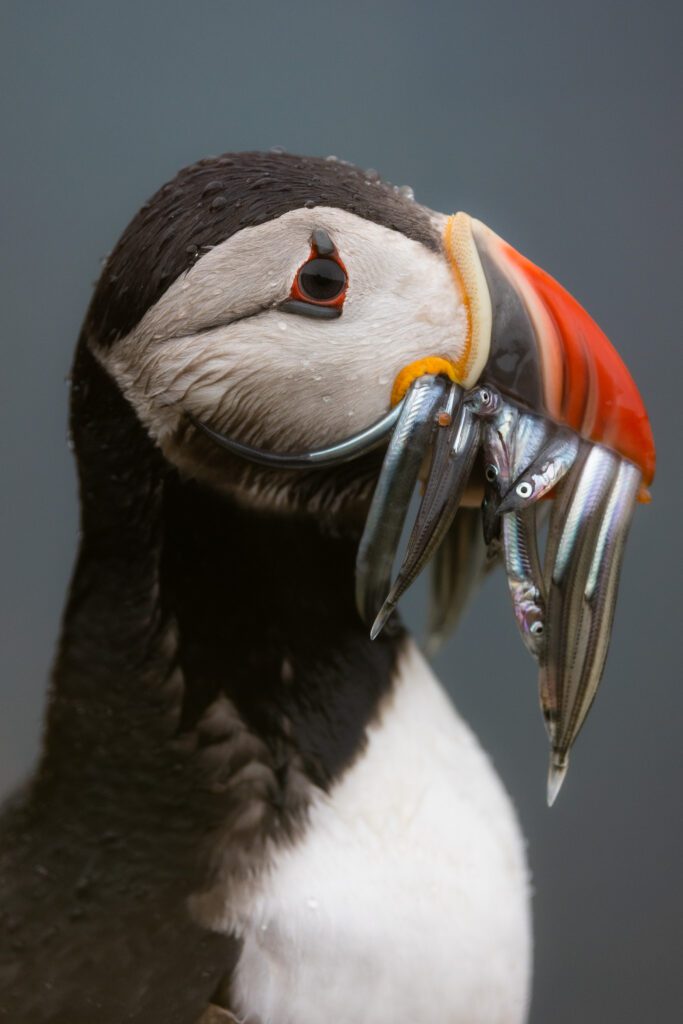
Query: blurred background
point(556, 124)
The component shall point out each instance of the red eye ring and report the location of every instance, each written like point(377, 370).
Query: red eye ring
point(321, 281)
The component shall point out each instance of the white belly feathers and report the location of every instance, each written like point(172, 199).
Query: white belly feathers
point(406, 898)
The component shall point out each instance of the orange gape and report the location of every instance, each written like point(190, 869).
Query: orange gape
point(599, 398)
point(430, 364)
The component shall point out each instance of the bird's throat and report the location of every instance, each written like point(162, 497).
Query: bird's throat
point(266, 617)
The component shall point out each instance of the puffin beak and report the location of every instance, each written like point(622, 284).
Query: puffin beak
point(539, 390)
point(546, 351)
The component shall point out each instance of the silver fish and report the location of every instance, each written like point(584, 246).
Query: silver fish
point(512, 438)
point(585, 550)
point(454, 452)
point(529, 437)
point(405, 454)
point(497, 442)
point(523, 571)
point(553, 461)
point(462, 561)
point(484, 401)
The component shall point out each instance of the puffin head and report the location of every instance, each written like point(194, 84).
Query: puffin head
point(276, 300)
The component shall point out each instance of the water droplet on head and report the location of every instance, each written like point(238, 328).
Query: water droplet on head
point(218, 203)
point(261, 182)
point(406, 191)
point(212, 186)
point(327, 398)
point(277, 149)
point(332, 159)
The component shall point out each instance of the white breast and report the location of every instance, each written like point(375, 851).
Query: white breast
point(407, 897)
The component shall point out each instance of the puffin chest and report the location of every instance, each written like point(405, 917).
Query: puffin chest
point(406, 894)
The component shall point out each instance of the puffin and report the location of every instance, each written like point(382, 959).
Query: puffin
point(245, 807)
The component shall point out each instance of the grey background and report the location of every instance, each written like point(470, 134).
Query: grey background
point(558, 125)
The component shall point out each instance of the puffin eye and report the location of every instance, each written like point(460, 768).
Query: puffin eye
point(321, 280)
point(319, 288)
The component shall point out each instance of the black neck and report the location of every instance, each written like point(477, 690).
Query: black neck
point(195, 624)
point(265, 607)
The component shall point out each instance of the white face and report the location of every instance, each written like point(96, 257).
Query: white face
point(215, 344)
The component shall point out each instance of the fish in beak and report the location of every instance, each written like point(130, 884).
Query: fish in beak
point(548, 402)
point(540, 401)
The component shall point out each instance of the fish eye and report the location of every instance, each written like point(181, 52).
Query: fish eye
point(491, 473)
point(321, 279)
point(485, 396)
point(524, 490)
point(536, 628)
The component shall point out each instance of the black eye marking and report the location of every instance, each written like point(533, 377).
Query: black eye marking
point(322, 243)
point(309, 309)
point(319, 288)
